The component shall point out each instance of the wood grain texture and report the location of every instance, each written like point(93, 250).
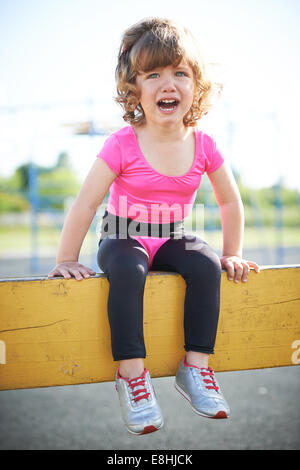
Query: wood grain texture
point(56, 332)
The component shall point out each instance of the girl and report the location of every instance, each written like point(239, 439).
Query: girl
point(153, 169)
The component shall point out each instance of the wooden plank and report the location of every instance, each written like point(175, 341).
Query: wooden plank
point(56, 332)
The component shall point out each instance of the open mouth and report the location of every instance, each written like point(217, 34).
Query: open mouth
point(167, 105)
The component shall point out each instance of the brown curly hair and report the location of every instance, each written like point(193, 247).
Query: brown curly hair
point(154, 43)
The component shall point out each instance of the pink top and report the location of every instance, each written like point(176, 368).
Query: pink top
point(142, 193)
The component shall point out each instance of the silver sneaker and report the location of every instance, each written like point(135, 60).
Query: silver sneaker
point(201, 389)
point(140, 410)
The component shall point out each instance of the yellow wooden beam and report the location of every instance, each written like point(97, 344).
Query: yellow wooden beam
point(56, 332)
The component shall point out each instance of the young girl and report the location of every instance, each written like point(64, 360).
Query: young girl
point(153, 168)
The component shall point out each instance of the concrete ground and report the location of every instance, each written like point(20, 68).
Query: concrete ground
point(264, 404)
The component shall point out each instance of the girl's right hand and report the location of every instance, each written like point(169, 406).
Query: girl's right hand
point(70, 269)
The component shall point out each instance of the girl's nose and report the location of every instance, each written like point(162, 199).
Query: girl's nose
point(168, 85)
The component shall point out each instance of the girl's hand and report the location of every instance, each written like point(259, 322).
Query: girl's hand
point(70, 269)
point(238, 268)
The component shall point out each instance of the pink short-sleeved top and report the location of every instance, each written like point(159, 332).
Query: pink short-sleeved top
point(142, 193)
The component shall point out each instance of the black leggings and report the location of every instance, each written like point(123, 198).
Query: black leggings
point(126, 265)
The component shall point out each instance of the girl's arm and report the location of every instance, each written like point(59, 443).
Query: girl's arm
point(232, 219)
point(79, 220)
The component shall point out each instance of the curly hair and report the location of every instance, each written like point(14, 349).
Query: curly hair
point(154, 43)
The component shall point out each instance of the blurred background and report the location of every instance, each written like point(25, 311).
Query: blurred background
point(57, 61)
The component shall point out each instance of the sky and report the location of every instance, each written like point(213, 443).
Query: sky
point(57, 62)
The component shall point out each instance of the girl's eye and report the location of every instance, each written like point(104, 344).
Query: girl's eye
point(180, 74)
point(153, 75)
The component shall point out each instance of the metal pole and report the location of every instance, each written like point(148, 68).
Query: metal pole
point(279, 222)
point(34, 206)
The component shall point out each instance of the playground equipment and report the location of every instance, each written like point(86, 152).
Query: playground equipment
point(56, 332)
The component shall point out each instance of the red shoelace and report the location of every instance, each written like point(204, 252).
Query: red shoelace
point(138, 382)
point(209, 371)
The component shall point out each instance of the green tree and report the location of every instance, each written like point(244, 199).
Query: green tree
point(54, 184)
point(63, 161)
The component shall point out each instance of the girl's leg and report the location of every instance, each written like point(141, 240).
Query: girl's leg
point(201, 269)
point(125, 262)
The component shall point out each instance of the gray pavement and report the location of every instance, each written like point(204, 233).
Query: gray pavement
point(264, 403)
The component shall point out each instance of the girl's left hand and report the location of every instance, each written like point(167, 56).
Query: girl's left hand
point(237, 268)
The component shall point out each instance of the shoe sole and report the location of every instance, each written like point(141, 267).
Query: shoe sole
point(146, 430)
point(219, 415)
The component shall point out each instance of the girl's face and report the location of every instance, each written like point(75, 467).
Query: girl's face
point(166, 93)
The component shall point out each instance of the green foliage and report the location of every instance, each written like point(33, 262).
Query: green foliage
point(13, 202)
point(54, 185)
point(263, 197)
point(63, 161)
point(263, 206)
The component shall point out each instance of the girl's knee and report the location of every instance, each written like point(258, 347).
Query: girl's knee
point(119, 259)
point(205, 264)
point(126, 267)
point(214, 261)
